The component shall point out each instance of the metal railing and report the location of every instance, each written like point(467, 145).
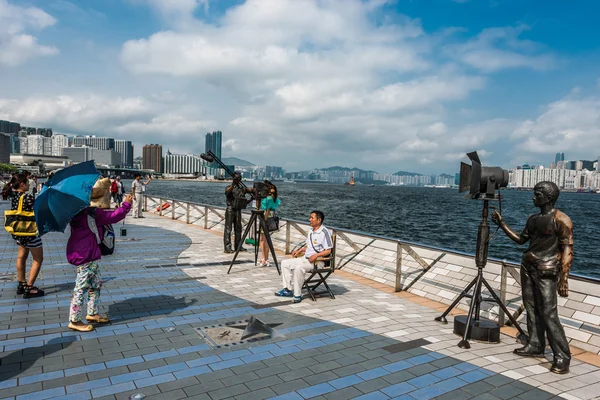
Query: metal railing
point(210, 216)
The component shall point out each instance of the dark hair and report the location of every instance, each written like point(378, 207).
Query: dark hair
point(136, 175)
point(271, 186)
point(550, 189)
point(18, 179)
point(7, 190)
point(319, 215)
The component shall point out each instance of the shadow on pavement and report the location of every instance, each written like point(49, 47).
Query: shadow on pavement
point(127, 310)
point(20, 361)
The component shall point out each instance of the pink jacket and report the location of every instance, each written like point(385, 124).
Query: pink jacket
point(82, 246)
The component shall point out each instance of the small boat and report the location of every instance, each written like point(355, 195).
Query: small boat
point(351, 183)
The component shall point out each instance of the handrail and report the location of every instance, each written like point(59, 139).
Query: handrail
point(503, 262)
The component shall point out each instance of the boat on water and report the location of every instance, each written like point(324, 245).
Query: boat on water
point(351, 182)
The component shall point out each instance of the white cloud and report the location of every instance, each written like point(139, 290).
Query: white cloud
point(500, 48)
point(17, 45)
point(570, 125)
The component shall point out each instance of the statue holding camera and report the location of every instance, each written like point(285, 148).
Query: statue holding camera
point(544, 273)
point(236, 202)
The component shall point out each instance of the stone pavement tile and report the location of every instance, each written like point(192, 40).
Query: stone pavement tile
point(478, 388)
point(264, 393)
point(320, 378)
point(343, 394)
point(286, 387)
point(455, 395)
point(372, 385)
point(229, 391)
point(535, 394)
point(203, 387)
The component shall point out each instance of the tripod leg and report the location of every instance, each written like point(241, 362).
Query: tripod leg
point(263, 224)
point(237, 251)
point(257, 241)
point(464, 343)
point(522, 337)
point(442, 318)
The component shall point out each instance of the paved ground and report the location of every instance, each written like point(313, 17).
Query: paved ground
point(166, 279)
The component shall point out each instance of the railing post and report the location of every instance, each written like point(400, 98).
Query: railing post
point(398, 267)
point(173, 209)
point(206, 217)
point(288, 234)
point(160, 201)
point(187, 213)
point(145, 203)
point(503, 278)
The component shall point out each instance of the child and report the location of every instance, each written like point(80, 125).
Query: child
point(83, 251)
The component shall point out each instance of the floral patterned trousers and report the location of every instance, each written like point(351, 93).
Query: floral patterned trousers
point(88, 280)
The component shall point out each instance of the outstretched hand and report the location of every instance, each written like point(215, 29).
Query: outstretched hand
point(496, 217)
point(128, 198)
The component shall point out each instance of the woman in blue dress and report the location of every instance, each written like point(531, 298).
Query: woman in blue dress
point(270, 204)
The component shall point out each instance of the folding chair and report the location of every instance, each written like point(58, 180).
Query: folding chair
point(318, 276)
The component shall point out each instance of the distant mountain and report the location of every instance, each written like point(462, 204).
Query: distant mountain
point(404, 173)
point(446, 176)
point(238, 162)
point(336, 168)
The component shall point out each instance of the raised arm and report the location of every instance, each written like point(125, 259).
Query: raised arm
point(106, 217)
point(519, 238)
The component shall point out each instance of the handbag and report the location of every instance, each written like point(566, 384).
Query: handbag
point(273, 223)
point(20, 223)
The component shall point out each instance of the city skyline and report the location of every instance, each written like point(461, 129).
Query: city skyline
point(385, 84)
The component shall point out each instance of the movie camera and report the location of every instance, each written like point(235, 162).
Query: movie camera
point(481, 182)
point(259, 190)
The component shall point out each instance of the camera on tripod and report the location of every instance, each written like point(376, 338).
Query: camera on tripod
point(481, 182)
point(260, 190)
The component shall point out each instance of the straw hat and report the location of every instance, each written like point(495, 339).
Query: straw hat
point(101, 193)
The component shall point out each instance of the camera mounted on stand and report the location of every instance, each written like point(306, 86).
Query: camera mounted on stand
point(482, 183)
point(259, 190)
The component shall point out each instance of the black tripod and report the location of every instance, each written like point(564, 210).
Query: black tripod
point(476, 299)
point(257, 221)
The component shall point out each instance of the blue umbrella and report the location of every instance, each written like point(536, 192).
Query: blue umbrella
point(66, 194)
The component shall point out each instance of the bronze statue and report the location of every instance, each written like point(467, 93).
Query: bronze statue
point(544, 271)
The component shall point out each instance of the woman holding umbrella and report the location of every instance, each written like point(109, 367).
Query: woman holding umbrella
point(83, 251)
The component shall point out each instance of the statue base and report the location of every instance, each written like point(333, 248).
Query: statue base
point(483, 330)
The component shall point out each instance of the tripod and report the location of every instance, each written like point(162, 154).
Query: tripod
point(483, 328)
point(257, 221)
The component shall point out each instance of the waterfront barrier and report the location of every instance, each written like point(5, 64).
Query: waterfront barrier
point(434, 273)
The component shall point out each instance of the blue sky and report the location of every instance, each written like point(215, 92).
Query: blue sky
point(383, 85)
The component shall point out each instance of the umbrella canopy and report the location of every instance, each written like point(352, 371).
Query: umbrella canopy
point(66, 194)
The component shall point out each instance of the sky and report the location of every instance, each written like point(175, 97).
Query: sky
point(392, 85)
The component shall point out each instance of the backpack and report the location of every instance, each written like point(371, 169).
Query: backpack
point(114, 188)
point(107, 244)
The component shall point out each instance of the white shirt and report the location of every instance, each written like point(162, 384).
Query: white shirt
point(318, 241)
point(136, 186)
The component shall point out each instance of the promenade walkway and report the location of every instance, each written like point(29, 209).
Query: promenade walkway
point(167, 283)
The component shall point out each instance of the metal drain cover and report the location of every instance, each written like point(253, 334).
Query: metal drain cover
point(237, 332)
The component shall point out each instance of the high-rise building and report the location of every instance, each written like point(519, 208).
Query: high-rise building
point(184, 164)
point(4, 148)
point(100, 143)
point(213, 142)
point(152, 157)
point(559, 157)
point(57, 144)
point(125, 149)
point(9, 127)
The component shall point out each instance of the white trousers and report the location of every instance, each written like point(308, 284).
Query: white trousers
point(292, 271)
point(137, 205)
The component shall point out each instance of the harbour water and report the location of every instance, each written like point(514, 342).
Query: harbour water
point(432, 216)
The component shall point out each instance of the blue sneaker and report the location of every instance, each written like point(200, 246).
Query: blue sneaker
point(284, 293)
point(297, 299)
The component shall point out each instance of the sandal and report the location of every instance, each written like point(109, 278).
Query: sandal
point(97, 318)
point(37, 292)
point(21, 287)
point(80, 328)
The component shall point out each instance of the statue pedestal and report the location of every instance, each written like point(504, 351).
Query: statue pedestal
point(483, 330)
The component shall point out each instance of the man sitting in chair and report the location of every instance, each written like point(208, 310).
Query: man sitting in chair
point(318, 244)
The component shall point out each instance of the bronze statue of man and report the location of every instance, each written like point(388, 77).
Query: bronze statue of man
point(544, 272)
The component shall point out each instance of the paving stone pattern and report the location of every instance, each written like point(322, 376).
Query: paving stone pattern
point(345, 348)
